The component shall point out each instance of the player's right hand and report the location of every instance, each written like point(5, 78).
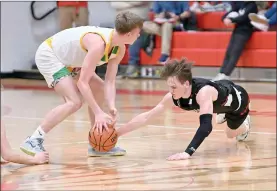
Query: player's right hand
point(227, 21)
point(101, 122)
point(41, 158)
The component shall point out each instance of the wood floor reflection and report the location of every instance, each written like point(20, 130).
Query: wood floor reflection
point(218, 164)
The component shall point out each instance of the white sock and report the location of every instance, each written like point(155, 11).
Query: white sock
point(39, 133)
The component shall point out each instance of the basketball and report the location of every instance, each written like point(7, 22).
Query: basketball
point(104, 142)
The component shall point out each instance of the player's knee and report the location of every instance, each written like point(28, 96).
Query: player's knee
point(75, 104)
point(230, 133)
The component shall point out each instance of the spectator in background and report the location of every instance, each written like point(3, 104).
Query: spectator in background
point(263, 22)
point(210, 6)
point(169, 15)
point(72, 12)
point(262, 6)
point(140, 8)
point(241, 34)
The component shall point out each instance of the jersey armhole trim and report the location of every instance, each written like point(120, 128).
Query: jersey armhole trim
point(49, 42)
point(115, 51)
point(107, 45)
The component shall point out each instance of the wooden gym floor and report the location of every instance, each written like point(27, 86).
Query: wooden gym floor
point(219, 163)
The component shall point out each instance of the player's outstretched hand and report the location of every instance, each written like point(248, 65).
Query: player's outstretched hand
point(179, 156)
point(41, 158)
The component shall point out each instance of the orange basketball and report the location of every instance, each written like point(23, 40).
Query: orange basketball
point(104, 142)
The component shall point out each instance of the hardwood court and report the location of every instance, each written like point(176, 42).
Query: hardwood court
point(218, 164)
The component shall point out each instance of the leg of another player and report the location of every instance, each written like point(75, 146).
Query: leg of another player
point(241, 132)
point(67, 89)
point(97, 88)
point(11, 156)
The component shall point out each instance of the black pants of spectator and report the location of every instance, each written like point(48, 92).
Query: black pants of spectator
point(235, 48)
point(190, 23)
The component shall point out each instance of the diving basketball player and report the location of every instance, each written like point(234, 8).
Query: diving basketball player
point(228, 100)
point(86, 47)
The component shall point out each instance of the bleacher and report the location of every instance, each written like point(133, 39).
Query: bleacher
point(207, 48)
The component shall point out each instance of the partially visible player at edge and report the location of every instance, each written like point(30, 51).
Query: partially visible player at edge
point(86, 47)
point(9, 155)
point(228, 100)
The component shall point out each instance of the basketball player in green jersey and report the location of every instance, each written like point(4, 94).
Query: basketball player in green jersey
point(86, 47)
point(230, 101)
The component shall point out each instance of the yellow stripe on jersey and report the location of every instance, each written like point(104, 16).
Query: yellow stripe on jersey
point(105, 58)
point(49, 42)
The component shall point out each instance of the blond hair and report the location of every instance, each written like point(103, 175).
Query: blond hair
point(126, 21)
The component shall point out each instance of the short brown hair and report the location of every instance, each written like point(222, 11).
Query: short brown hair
point(126, 21)
point(181, 69)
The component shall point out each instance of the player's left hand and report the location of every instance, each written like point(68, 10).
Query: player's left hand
point(227, 21)
point(179, 156)
point(41, 158)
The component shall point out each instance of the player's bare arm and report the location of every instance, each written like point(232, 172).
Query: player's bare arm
point(204, 98)
point(110, 77)
point(95, 47)
point(144, 118)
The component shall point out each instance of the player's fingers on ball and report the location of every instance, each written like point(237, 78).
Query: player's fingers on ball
point(101, 128)
point(96, 128)
point(106, 127)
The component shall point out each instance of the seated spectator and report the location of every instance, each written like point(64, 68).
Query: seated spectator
point(262, 6)
point(169, 15)
point(141, 8)
point(210, 6)
point(263, 22)
point(73, 12)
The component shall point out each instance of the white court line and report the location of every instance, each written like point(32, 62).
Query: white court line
point(120, 124)
point(87, 122)
point(138, 137)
